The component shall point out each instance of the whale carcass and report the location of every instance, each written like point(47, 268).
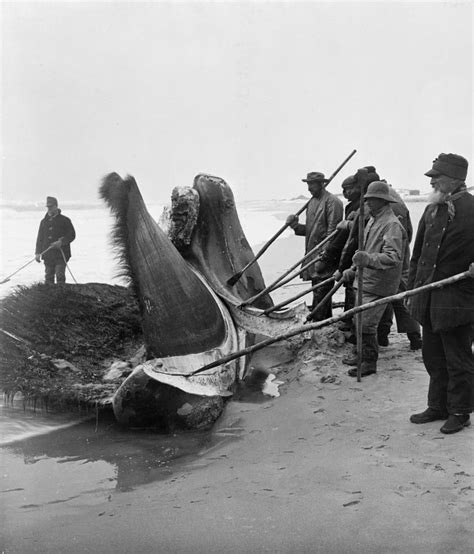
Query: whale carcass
point(189, 316)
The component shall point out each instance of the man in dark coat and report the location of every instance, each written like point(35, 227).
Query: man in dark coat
point(55, 234)
point(323, 214)
point(444, 246)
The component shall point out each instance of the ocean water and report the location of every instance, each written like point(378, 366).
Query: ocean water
point(93, 259)
point(48, 458)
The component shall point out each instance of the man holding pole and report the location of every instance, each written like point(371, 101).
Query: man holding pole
point(444, 246)
point(55, 233)
point(323, 214)
point(380, 260)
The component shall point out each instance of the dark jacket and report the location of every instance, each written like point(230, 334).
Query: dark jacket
point(51, 229)
point(322, 216)
point(444, 246)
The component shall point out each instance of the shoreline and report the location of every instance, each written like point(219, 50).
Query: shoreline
point(331, 466)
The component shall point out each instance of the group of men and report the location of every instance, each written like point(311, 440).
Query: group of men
point(381, 266)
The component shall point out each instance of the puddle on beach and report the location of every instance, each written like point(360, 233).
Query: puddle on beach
point(48, 458)
point(257, 387)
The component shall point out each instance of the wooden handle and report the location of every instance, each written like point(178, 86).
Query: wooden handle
point(335, 319)
point(265, 247)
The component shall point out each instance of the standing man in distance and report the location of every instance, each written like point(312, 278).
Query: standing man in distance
point(55, 234)
point(323, 214)
point(444, 246)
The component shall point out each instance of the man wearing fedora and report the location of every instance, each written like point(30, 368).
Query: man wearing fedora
point(323, 214)
point(55, 234)
point(381, 258)
point(444, 246)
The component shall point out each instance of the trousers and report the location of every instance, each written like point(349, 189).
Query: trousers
point(326, 310)
point(449, 361)
point(52, 270)
point(405, 323)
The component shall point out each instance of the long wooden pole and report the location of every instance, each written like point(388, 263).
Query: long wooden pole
point(280, 281)
point(325, 299)
point(334, 319)
point(360, 284)
point(23, 266)
point(299, 295)
point(264, 248)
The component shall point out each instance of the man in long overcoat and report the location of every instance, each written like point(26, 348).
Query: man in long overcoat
point(323, 214)
point(444, 246)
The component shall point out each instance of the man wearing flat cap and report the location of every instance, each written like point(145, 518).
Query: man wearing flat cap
point(444, 246)
point(323, 214)
point(55, 234)
point(381, 256)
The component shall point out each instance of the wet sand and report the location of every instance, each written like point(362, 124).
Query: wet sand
point(331, 466)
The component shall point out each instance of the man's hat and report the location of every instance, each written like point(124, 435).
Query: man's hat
point(51, 201)
point(451, 165)
point(349, 181)
point(315, 176)
point(379, 189)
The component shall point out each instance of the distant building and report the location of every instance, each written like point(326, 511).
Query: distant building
point(408, 192)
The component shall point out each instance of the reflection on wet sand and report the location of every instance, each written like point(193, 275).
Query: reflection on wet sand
point(87, 463)
point(134, 457)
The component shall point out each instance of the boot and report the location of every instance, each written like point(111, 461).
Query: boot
point(366, 368)
point(370, 354)
point(455, 423)
point(415, 340)
point(430, 414)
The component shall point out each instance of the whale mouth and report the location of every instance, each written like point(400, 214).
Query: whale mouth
point(180, 315)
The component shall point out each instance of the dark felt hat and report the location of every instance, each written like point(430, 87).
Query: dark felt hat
point(451, 165)
point(315, 176)
point(379, 189)
point(51, 201)
point(349, 181)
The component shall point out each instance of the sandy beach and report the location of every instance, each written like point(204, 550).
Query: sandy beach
point(108, 103)
point(332, 466)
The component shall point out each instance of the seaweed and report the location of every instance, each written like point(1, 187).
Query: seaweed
point(57, 341)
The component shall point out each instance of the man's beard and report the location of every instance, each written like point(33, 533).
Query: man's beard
point(437, 197)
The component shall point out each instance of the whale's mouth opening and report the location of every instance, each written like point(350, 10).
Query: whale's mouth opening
point(180, 315)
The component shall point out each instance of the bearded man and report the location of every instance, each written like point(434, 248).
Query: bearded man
point(444, 246)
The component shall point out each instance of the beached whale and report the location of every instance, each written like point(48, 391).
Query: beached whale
point(190, 316)
point(185, 325)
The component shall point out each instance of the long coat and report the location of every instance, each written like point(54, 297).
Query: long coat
point(444, 246)
point(322, 216)
point(51, 229)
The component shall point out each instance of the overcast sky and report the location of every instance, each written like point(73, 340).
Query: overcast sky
point(258, 93)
